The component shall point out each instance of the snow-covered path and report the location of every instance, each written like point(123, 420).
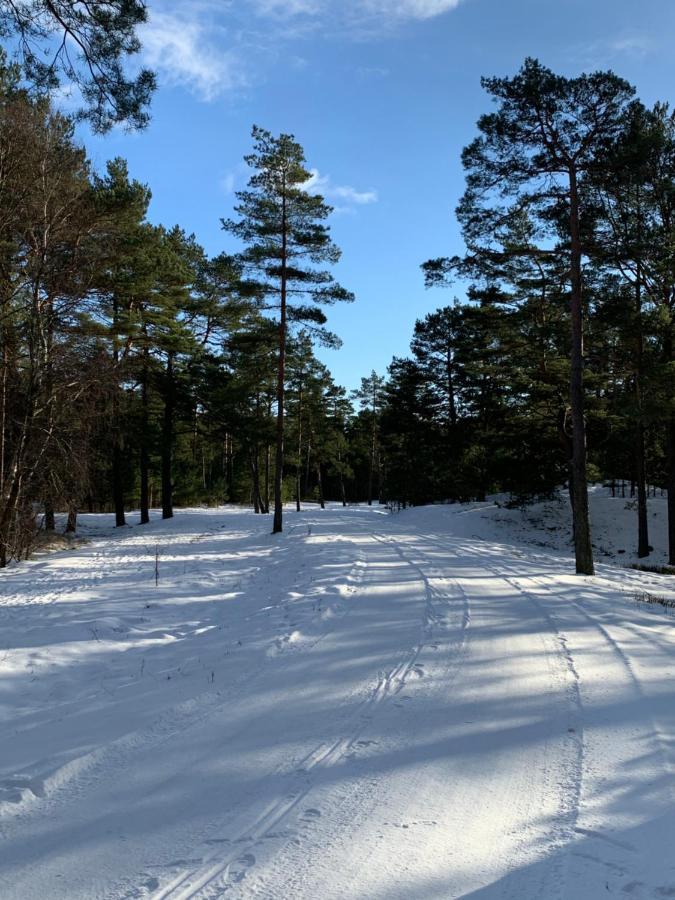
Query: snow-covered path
point(368, 706)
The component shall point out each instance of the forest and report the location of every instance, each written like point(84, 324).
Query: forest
point(337, 454)
point(138, 372)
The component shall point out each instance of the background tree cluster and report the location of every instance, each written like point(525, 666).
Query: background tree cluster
point(564, 345)
point(137, 372)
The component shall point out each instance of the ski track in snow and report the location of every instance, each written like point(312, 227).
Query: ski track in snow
point(365, 707)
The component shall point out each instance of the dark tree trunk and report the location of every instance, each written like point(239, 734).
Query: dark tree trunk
point(371, 468)
point(255, 480)
point(319, 479)
point(640, 463)
point(281, 379)
point(50, 521)
point(167, 440)
point(641, 481)
point(670, 487)
point(71, 524)
point(582, 530)
point(452, 405)
point(144, 455)
point(118, 483)
point(117, 477)
point(298, 467)
point(267, 478)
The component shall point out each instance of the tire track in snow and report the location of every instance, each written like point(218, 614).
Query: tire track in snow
point(218, 873)
point(622, 658)
point(572, 778)
point(291, 866)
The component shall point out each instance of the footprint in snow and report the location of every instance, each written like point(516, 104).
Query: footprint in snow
point(247, 860)
point(312, 813)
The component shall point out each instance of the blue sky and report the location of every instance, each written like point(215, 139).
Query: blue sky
point(383, 95)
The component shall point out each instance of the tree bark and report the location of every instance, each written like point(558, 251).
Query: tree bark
point(50, 520)
point(71, 524)
point(319, 480)
point(582, 530)
point(167, 440)
point(640, 463)
point(117, 483)
point(281, 379)
point(144, 455)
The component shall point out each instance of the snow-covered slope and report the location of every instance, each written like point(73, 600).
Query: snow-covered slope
point(420, 705)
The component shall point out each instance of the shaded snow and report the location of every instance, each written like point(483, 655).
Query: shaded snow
point(418, 705)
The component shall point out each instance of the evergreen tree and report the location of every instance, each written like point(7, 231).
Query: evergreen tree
point(88, 44)
point(547, 136)
point(285, 236)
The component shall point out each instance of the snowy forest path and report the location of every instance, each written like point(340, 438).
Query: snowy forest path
point(364, 706)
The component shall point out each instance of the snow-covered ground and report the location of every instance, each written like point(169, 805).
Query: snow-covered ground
point(396, 707)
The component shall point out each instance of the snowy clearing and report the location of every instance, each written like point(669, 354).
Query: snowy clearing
point(368, 706)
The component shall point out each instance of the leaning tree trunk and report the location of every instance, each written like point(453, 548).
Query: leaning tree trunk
point(582, 529)
point(167, 440)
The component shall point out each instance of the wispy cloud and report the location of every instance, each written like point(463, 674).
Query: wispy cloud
point(355, 9)
point(181, 49)
point(214, 47)
point(412, 9)
point(344, 196)
point(606, 51)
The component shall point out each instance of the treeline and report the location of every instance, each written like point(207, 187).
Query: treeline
point(565, 345)
point(135, 371)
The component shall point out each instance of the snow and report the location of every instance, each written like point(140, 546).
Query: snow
point(419, 705)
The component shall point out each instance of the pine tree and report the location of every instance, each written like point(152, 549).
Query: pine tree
point(547, 135)
point(88, 44)
point(282, 228)
point(371, 398)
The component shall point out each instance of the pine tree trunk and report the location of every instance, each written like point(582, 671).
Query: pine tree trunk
point(144, 455)
point(267, 478)
point(50, 520)
point(255, 479)
point(582, 529)
point(640, 463)
point(297, 469)
point(641, 482)
point(167, 441)
point(117, 484)
point(117, 481)
point(670, 487)
point(371, 468)
point(281, 379)
point(319, 478)
point(71, 524)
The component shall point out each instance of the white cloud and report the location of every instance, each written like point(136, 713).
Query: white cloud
point(412, 9)
point(227, 182)
point(356, 9)
point(290, 7)
point(182, 52)
point(634, 45)
point(343, 194)
point(607, 51)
